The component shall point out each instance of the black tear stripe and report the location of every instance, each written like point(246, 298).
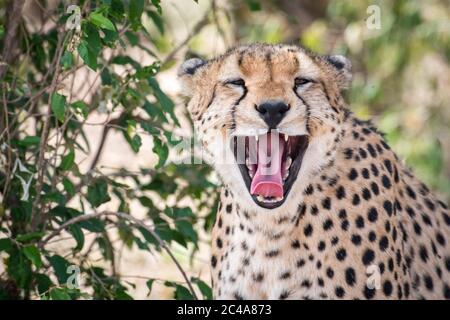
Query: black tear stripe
point(233, 109)
point(308, 111)
point(212, 97)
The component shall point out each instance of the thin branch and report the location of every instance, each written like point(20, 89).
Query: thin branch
point(101, 145)
point(45, 132)
point(195, 30)
point(130, 218)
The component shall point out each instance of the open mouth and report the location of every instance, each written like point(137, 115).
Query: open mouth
point(269, 165)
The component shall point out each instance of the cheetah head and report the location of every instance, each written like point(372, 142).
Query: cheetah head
point(267, 116)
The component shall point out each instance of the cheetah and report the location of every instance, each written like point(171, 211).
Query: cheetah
point(314, 203)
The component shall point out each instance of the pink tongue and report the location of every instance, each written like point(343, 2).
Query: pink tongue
point(267, 181)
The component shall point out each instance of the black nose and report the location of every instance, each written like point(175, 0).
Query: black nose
point(272, 112)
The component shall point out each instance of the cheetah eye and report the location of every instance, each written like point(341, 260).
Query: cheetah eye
point(302, 81)
point(236, 82)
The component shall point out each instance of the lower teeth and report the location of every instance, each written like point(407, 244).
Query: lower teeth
point(288, 162)
point(268, 200)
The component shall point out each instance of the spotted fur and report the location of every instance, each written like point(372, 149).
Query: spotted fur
point(354, 211)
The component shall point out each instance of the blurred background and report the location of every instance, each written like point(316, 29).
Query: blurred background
point(113, 143)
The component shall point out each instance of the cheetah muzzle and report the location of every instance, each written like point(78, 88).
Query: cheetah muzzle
point(269, 165)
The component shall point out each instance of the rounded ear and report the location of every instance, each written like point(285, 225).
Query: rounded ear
point(190, 66)
point(343, 69)
point(186, 72)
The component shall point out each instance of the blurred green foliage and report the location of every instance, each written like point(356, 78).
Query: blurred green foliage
point(43, 190)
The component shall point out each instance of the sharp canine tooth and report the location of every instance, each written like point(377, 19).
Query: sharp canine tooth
point(260, 198)
point(288, 162)
point(286, 137)
point(256, 137)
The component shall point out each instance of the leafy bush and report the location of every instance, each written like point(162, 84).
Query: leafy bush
point(43, 119)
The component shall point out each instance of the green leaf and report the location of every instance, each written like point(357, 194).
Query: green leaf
point(132, 137)
point(54, 197)
point(116, 9)
point(157, 20)
point(18, 267)
point(161, 150)
point(67, 60)
point(93, 225)
point(5, 244)
point(106, 77)
point(69, 187)
point(204, 288)
point(149, 128)
point(254, 5)
point(123, 60)
point(133, 39)
point(90, 46)
point(148, 236)
point(88, 57)
point(135, 143)
point(98, 193)
point(43, 283)
point(121, 294)
point(181, 293)
point(30, 236)
point(33, 254)
point(182, 213)
point(101, 21)
point(147, 71)
point(157, 4)
point(166, 103)
point(78, 235)
point(67, 161)
point(59, 294)
point(60, 265)
point(92, 38)
point(58, 105)
point(154, 111)
point(29, 141)
point(81, 107)
point(135, 10)
point(186, 228)
point(149, 286)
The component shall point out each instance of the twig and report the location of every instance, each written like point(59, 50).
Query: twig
point(124, 216)
point(101, 145)
point(195, 30)
point(45, 132)
point(100, 148)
